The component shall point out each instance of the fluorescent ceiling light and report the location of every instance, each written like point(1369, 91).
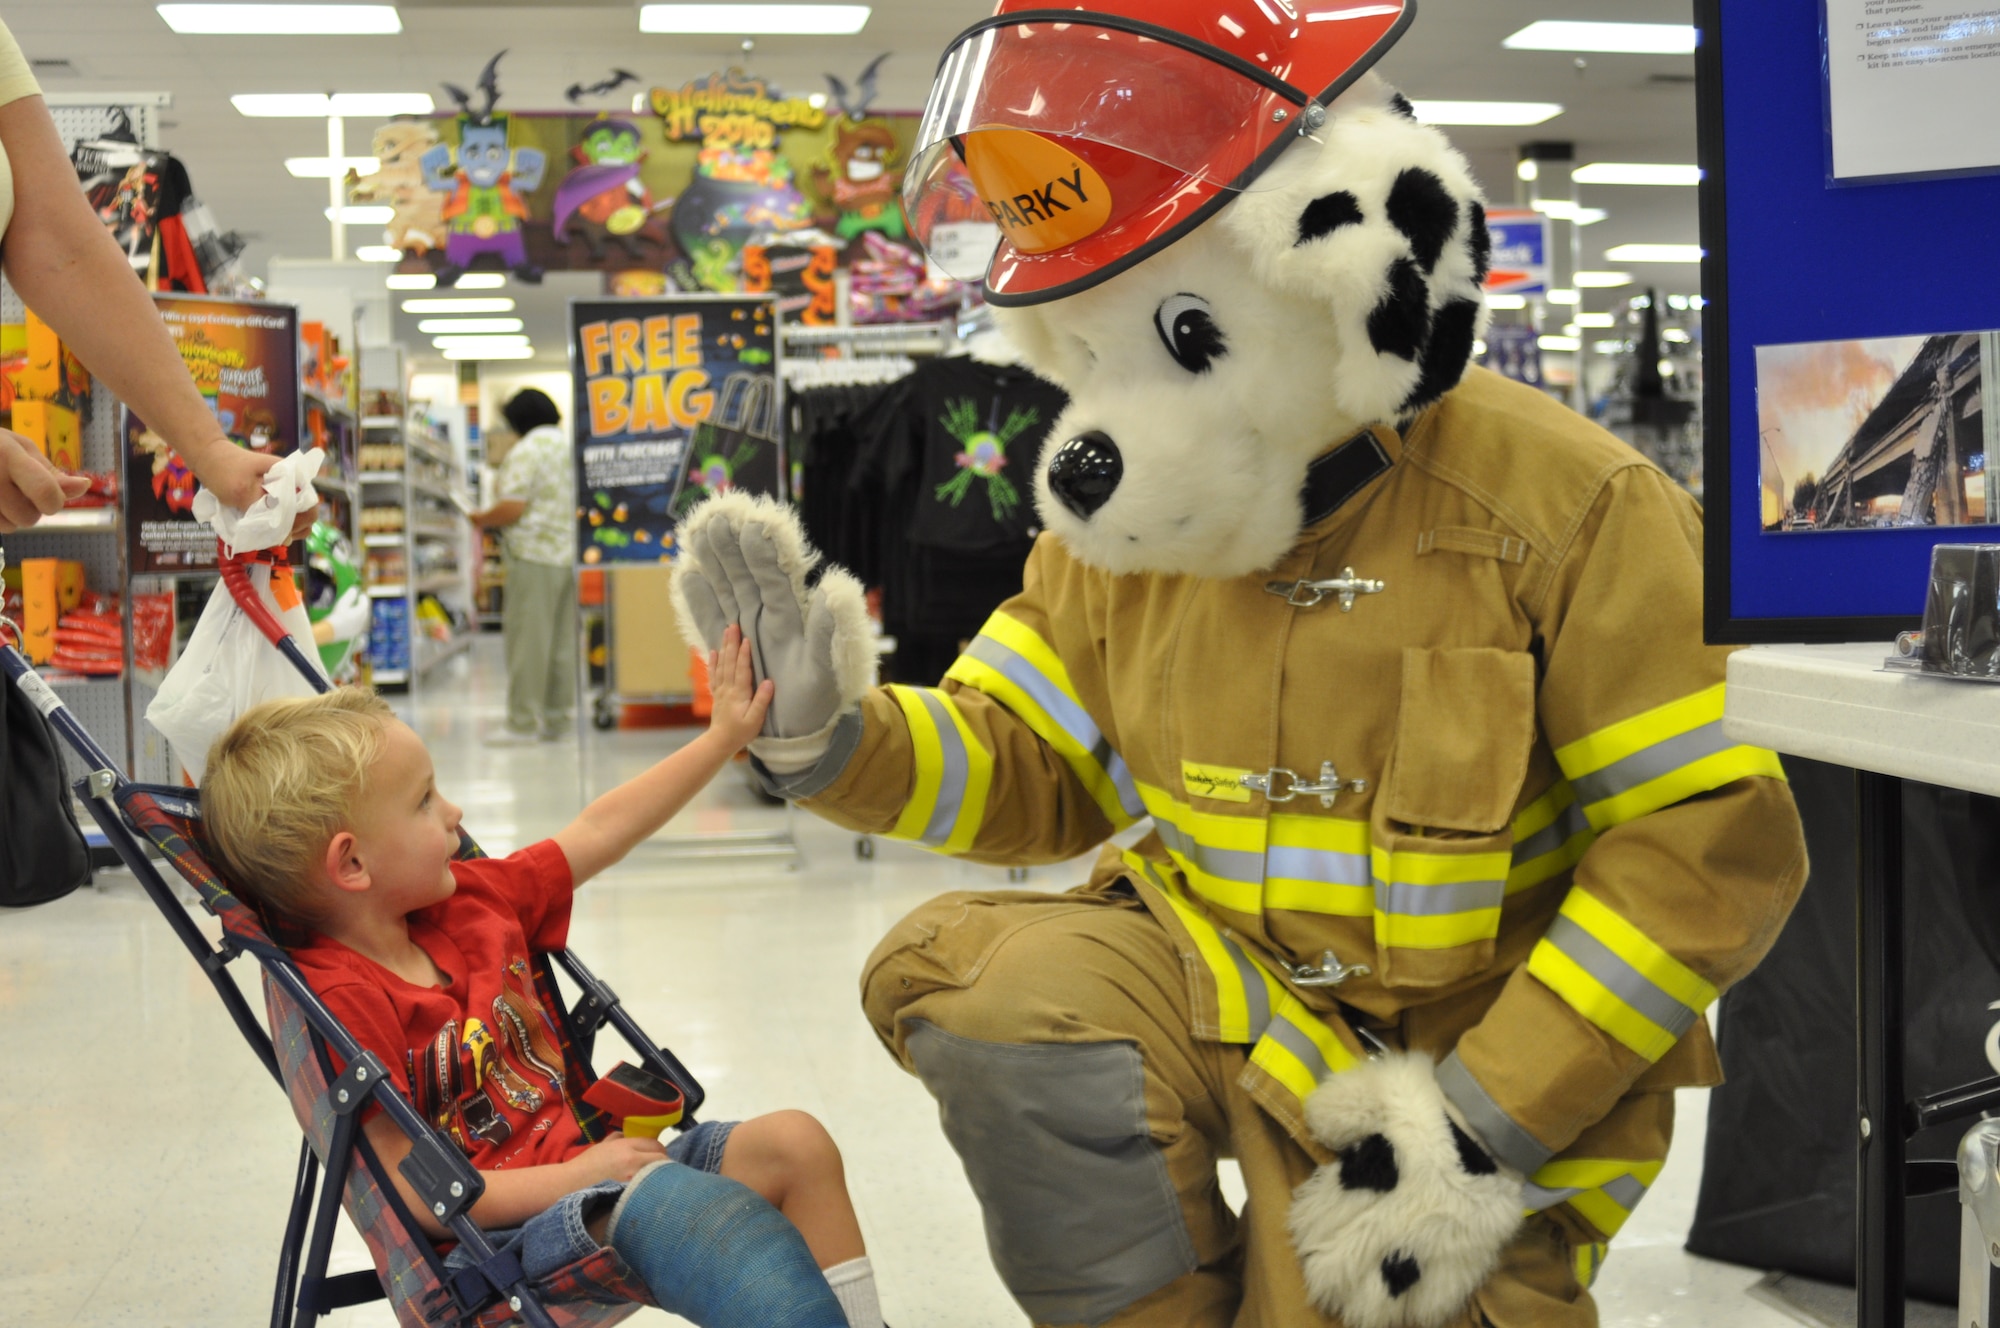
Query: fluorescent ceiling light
point(1506, 302)
point(412, 280)
point(482, 281)
point(752, 20)
point(488, 305)
point(379, 253)
point(478, 343)
point(1627, 172)
point(317, 105)
point(1566, 345)
point(1630, 38)
point(1564, 297)
point(319, 168)
point(1596, 320)
point(1655, 253)
point(473, 326)
point(1486, 112)
point(1572, 329)
point(282, 20)
point(1677, 336)
point(1603, 280)
point(1608, 347)
point(1561, 209)
point(362, 216)
point(490, 353)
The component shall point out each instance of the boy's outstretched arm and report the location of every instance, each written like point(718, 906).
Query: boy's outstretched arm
point(616, 823)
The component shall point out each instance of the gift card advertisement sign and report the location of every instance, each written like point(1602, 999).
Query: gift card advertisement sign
point(677, 399)
point(244, 358)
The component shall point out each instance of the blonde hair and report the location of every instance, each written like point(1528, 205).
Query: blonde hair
point(281, 783)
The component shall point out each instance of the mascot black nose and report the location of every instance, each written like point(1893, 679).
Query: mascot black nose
point(1084, 472)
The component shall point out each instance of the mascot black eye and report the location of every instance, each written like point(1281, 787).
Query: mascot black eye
point(1190, 333)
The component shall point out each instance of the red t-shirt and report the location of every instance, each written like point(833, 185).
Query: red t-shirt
point(481, 1051)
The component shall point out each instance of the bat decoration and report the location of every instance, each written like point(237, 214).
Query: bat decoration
point(855, 107)
point(489, 83)
point(619, 78)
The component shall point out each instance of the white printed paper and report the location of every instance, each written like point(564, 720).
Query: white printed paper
point(1915, 86)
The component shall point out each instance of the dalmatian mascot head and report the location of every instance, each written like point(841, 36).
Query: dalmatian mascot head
point(1236, 248)
point(1231, 243)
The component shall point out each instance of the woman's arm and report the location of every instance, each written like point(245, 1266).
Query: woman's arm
point(73, 275)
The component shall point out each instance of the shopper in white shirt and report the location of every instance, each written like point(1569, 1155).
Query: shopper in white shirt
point(66, 267)
point(537, 513)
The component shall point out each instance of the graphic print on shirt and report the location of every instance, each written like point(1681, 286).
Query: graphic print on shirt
point(985, 453)
point(476, 1074)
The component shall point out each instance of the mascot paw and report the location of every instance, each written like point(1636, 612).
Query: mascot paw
point(1410, 1219)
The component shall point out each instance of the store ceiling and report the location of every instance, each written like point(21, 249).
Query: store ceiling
point(1618, 107)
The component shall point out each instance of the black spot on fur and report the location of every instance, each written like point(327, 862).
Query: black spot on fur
point(1449, 351)
point(1324, 216)
point(1369, 1165)
point(1424, 211)
point(1482, 245)
point(1401, 323)
point(1401, 106)
point(1400, 1273)
point(1470, 1155)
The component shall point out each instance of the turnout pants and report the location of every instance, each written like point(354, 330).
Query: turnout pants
point(1054, 1032)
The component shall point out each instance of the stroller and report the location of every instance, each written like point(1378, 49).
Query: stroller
point(299, 1049)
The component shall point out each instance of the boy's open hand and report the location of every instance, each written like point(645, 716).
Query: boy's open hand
point(740, 701)
point(616, 1158)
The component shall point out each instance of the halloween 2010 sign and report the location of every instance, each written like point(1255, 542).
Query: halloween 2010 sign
point(677, 398)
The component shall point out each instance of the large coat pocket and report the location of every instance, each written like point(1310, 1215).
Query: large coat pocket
point(1442, 826)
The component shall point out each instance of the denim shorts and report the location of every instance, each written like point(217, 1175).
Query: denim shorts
point(559, 1235)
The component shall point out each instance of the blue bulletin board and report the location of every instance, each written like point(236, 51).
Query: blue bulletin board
point(1905, 271)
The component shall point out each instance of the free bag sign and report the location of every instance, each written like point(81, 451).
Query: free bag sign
point(1520, 252)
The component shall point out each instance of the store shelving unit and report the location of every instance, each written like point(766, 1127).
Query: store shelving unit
point(425, 549)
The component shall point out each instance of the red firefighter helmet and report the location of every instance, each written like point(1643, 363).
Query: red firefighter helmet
point(1090, 138)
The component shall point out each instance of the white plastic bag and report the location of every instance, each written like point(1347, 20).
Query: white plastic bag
point(228, 667)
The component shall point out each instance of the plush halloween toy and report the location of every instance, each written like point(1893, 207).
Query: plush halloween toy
point(484, 212)
point(1402, 662)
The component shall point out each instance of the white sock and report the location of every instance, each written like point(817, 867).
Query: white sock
point(853, 1286)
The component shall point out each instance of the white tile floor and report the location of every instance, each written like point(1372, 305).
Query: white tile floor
point(145, 1158)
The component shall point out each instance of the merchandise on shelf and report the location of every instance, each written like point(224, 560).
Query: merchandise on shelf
point(389, 636)
point(381, 520)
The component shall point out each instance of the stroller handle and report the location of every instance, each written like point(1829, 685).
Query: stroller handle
point(236, 576)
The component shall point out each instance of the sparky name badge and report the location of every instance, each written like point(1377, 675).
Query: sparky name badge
point(1041, 195)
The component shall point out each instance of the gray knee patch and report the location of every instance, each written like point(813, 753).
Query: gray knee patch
point(1081, 1217)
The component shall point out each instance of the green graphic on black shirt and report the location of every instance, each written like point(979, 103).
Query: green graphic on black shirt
point(985, 454)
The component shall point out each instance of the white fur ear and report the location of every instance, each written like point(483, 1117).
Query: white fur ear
point(1383, 224)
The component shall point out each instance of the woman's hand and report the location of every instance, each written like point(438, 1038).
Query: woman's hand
point(740, 702)
point(30, 485)
point(236, 476)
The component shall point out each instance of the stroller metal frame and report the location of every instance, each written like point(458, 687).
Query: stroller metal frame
point(440, 1174)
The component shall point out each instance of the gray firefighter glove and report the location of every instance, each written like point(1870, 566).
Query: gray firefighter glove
point(745, 560)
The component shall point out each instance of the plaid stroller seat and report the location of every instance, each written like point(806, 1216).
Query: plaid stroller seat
point(599, 1289)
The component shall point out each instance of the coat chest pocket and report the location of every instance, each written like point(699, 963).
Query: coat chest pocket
point(1442, 825)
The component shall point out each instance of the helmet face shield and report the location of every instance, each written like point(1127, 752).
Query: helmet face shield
point(1057, 143)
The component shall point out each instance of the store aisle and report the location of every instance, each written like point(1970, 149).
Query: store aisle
point(158, 1157)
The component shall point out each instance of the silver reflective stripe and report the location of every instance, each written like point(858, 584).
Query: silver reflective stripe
point(1534, 1198)
point(1627, 983)
point(1255, 995)
point(1504, 1139)
point(1320, 865)
point(1430, 901)
point(1072, 718)
point(1649, 763)
point(1293, 1039)
point(1626, 1192)
point(952, 778)
point(1228, 864)
point(1567, 826)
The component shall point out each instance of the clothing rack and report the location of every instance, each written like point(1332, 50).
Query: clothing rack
point(877, 338)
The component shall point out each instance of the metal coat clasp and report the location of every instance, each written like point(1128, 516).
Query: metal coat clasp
point(1329, 972)
point(1310, 594)
point(1281, 785)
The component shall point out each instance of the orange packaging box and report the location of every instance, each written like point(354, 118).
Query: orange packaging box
point(31, 421)
point(41, 380)
point(40, 607)
point(55, 429)
point(70, 585)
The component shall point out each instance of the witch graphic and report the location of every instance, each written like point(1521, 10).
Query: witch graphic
point(604, 199)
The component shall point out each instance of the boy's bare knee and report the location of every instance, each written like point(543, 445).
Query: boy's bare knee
point(782, 1150)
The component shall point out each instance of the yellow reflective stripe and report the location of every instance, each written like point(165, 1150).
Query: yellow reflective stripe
point(1221, 856)
point(1711, 772)
point(1319, 864)
point(1600, 1210)
point(1232, 1001)
point(928, 754)
point(1590, 1173)
point(1609, 745)
point(1589, 1262)
point(1099, 768)
point(1597, 1003)
point(1299, 1050)
point(952, 773)
point(1435, 901)
point(1542, 849)
point(1639, 950)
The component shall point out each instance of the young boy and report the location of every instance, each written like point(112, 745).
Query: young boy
point(326, 811)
